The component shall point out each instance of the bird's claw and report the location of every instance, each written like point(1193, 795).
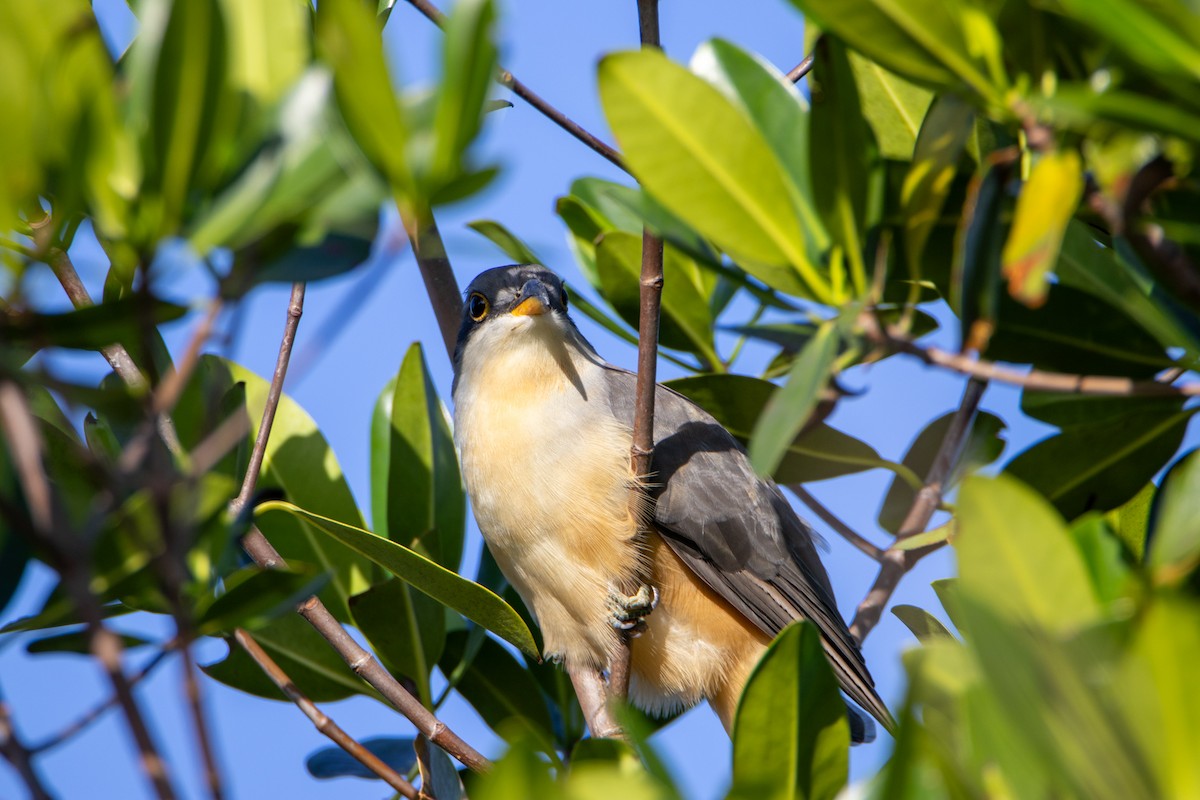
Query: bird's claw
point(628, 612)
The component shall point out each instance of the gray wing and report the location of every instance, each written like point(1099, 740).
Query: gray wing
point(737, 533)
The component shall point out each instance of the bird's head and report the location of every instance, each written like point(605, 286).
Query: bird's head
point(507, 305)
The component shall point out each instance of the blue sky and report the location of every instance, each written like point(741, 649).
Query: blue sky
point(345, 359)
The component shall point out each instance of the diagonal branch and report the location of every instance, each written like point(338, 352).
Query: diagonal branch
point(803, 68)
point(440, 283)
point(896, 562)
point(845, 531)
point(319, 720)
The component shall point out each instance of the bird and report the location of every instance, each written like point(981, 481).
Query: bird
point(543, 427)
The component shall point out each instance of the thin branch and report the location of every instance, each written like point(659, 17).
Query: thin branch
point(20, 756)
point(593, 696)
point(430, 12)
point(1169, 262)
point(440, 283)
point(895, 562)
point(803, 68)
point(319, 720)
point(842, 529)
point(208, 754)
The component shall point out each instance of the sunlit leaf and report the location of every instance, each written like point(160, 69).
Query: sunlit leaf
point(1175, 550)
point(924, 625)
point(1047, 203)
point(892, 106)
point(938, 147)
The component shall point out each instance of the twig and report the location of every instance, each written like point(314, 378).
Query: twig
point(895, 563)
point(803, 68)
point(360, 661)
point(642, 450)
point(20, 756)
point(440, 283)
point(841, 528)
point(98, 710)
point(319, 720)
point(430, 12)
point(208, 754)
point(50, 526)
point(1166, 258)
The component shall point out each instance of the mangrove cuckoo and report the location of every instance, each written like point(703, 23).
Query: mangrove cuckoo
point(544, 427)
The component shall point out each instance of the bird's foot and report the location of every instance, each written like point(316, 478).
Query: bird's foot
point(628, 612)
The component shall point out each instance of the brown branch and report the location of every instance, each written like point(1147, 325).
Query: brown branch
point(20, 756)
point(208, 754)
point(841, 528)
point(51, 528)
point(1169, 262)
point(895, 562)
point(319, 719)
point(506, 78)
point(803, 68)
point(360, 661)
point(440, 283)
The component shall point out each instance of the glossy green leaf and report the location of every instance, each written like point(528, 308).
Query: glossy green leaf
point(789, 408)
point(502, 690)
point(685, 322)
point(791, 735)
point(254, 596)
point(334, 762)
point(473, 601)
point(468, 69)
point(406, 629)
point(984, 445)
point(1100, 466)
point(1046, 204)
point(314, 666)
point(1007, 567)
point(503, 238)
point(923, 625)
point(1175, 551)
point(417, 496)
point(892, 106)
point(721, 177)
point(935, 155)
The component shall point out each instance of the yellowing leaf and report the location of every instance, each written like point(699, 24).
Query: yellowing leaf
point(1044, 208)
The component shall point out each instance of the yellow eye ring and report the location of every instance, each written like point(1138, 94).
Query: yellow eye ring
point(478, 306)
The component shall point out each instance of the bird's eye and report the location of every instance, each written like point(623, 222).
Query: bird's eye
point(477, 304)
point(564, 298)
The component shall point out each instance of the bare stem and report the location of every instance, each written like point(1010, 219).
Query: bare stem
point(20, 756)
point(440, 283)
point(191, 690)
point(319, 719)
point(430, 12)
point(803, 68)
point(841, 528)
point(895, 563)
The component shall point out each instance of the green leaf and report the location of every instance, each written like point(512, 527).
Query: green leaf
point(843, 158)
point(77, 642)
point(91, 328)
point(1099, 466)
point(417, 496)
point(253, 597)
point(974, 292)
point(473, 601)
point(984, 445)
point(1102, 554)
point(1011, 546)
point(503, 238)
point(722, 177)
point(1175, 551)
point(950, 596)
point(791, 736)
point(1046, 204)
point(522, 772)
point(788, 409)
point(503, 692)
point(892, 106)
point(685, 322)
point(468, 68)
point(937, 150)
point(406, 629)
point(925, 626)
point(269, 45)
point(1157, 37)
point(314, 666)
point(1131, 522)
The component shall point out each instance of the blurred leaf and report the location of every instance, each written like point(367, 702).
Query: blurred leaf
point(101, 440)
point(439, 777)
point(254, 596)
point(1131, 521)
point(14, 552)
point(935, 155)
point(950, 596)
point(521, 772)
point(417, 496)
point(983, 446)
point(939, 535)
point(501, 690)
point(843, 158)
point(685, 323)
point(892, 106)
point(77, 642)
point(723, 178)
point(1175, 550)
point(334, 762)
point(473, 601)
point(1007, 566)
point(1046, 204)
point(974, 292)
point(269, 45)
point(924, 625)
point(90, 328)
point(791, 735)
point(334, 255)
point(314, 666)
point(1101, 465)
point(468, 69)
point(1101, 551)
point(1158, 37)
point(406, 629)
point(789, 408)
point(509, 244)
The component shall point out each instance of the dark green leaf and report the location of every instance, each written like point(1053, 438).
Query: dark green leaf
point(791, 735)
point(406, 629)
point(91, 328)
point(253, 597)
point(924, 625)
point(334, 255)
point(334, 762)
point(473, 601)
point(975, 274)
point(77, 642)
